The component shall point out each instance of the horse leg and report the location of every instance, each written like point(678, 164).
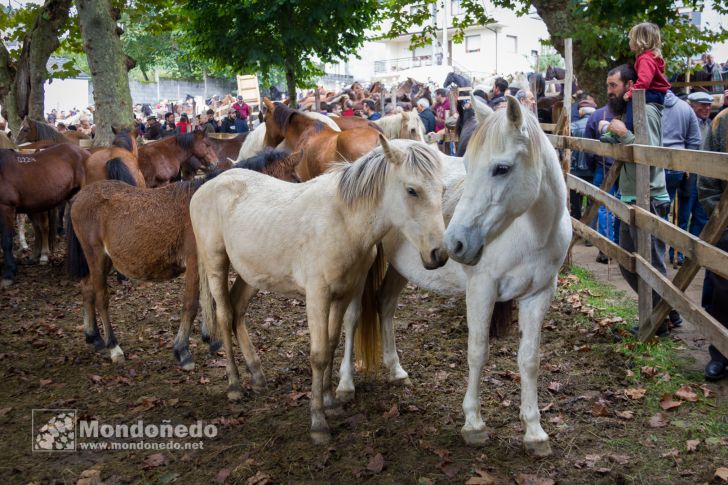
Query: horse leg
point(45, 236)
point(90, 327)
point(480, 299)
point(392, 286)
point(336, 315)
point(21, 232)
point(7, 225)
point(36, 220)
point(190, 306)
point(345, 389)
point(98, 274)
point(531, 312)
point(241, 293)
point(318, 305)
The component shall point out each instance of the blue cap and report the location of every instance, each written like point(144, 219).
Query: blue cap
point(700, 97)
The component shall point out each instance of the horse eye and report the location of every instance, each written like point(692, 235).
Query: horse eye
point(411, 191)
point(501, 169)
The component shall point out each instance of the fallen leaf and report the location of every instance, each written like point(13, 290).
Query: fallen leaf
point(155, 460)
point(659, 420)
point(673, 453)
point(706, 391)
point(721, 473)
point(296, 395)
point(620, 459)
point(259, 478)
point(5, 411)
point(89, 477)
point(483, 478)
point(635, 394)
point(442, 453)
point(686, 393)
point(600, 408)
point(692, 445)
point(448, 468)
point(95, 378)
point(547, 407)
point(554, 386)
point(667, 403)
point(393, 411)
point(625, 414)
point(222, 476)
point(527, 479)
point(204, 380)
point(376, 464)
point(45, 382)
point(557, 420)
point(648, 371)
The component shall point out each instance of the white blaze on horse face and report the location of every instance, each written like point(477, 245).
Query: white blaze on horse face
point(502, 183)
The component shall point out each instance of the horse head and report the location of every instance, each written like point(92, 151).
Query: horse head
point(413, 197)
point(274, 131)
point(202, 148)
point(412, 127)
point(504, 172)
point(28, 131)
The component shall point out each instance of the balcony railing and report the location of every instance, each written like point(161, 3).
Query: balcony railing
point(386, 66)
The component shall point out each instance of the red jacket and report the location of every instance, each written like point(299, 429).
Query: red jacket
point(650, 73)
point(243, 109)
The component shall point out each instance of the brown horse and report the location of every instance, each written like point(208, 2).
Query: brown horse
point(160, 161)
point(32, 184)
point(228, 148)
point(146, 234)
point(43, 133)
point(350, 122)
point(321, 145)
point(117, 162)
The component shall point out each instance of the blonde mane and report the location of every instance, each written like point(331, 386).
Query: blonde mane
point(6, 142)
point(392, 125)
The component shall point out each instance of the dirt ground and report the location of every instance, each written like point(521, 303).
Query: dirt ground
point(387, 434)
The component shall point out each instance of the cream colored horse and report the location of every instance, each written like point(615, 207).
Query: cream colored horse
point(406, 125)
point(315, 239)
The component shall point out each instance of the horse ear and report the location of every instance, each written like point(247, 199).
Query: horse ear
point(515, 115)
point(392, 154)
point(482, 110)
point(268, 104)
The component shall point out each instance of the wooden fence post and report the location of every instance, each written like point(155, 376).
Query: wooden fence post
point(317, 100)
point(644, 239)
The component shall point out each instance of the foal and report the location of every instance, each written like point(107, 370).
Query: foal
point(160, 161)
point(145, 234)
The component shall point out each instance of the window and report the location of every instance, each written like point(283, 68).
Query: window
point(511, 43)
point(472, 43)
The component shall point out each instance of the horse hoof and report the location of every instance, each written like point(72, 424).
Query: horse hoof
point(538, 448)
point(259, 386)
point(345, 396)
point(401, 381)
point(5, 283)
point(475, 437)
point(321, 437)
point(117, 355)
point(235, 393)
point(43, 260)
point(215, 346)
point(188, 366)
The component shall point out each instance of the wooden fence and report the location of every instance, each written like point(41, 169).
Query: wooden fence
point(699, 251)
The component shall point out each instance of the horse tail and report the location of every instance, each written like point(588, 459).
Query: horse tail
point(502, 320)
point(368, 337)
point(75, 258)
point(211, 332)
point(117, 170)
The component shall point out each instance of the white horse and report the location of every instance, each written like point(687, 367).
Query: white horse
point(511, 231)
point(315, 239)
point(405, 125)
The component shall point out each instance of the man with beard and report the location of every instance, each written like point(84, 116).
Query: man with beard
point(619, 81)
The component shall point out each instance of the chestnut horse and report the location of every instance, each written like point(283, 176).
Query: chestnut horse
point(320, 144)
point(32, 184)
point(117, 162)
point(160, 161)
point(44, 134)
point(228, 148)
point(146, 234)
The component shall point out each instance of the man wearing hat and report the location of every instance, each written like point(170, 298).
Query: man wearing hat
point(701, 102)
point(242, 108)
point(153, 130)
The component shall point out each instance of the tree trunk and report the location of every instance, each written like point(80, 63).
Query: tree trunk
point(24, 93)
point(109, 68)
point(291, 82)
point(558, 16)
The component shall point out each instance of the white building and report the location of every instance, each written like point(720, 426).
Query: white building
point(511, 44)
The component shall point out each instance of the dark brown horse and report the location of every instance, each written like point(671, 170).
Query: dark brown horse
point(45, 135)
point(32, 184)
point(160, 161)
point(321, 145)
point(228, 148)
point(146, 234)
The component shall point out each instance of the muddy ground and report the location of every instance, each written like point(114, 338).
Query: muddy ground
point(386, 435)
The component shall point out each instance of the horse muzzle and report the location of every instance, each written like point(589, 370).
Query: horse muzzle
point(437, 258)
point(464, 247)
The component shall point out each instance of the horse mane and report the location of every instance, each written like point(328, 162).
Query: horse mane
point(390, 125)
point(185, 140)
point(262, 160)
point(254, 142)
point(6, 142)
point(282, 115)
point(123, 140)
point(362, 182)
point(492, 135)
point(47, 132)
